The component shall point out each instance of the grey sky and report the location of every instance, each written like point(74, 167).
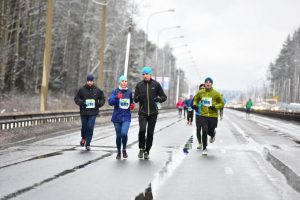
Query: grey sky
point(232, 41)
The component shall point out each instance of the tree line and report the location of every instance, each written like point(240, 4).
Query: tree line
point(284, 72)
point(75, 51)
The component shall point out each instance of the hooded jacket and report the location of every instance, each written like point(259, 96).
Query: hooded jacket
point(89, 99)
point(145, 93)
point(209, 98)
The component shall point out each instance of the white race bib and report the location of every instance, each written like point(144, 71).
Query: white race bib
point(207, 101)
point(124, 103)
point(90, 103)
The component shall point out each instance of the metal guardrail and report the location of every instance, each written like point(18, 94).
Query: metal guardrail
point(294, 116)
point(34, 119)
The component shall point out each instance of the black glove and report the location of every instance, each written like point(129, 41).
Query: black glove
point(194, 107)
point(157, 99)
point(212, 107)
point(83, 106)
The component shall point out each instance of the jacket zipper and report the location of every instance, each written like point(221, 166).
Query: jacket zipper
point(148, 99)
point(208, 107)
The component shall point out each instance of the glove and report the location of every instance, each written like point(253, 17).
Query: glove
point(132, 105)
point(119, 95)
point(83, 106)
point(194, 107)
point(157, 99)
point(212, 107)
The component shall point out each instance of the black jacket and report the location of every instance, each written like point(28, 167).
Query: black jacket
point(89, 93)
point(147, 93)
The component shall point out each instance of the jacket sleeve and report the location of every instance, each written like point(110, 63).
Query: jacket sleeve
point(112, 100)
point(131, 98)
point(161, 94)
point(137, 94)
point(196, 99)
point(78, 99)
point(101, 99)
point(219, 101)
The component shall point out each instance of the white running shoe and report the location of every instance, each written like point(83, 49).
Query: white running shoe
point(204, 152)
point(199, 146)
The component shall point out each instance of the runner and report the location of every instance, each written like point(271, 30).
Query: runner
point(248, 108)
point(198, 124)
point(211, 102)
point(190, 112)
point(148, 93)
point(180, 106)
point(121, 99)
point(89, 98)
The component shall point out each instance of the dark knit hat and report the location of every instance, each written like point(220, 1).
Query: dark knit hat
point(208, 79)
point(90, 77)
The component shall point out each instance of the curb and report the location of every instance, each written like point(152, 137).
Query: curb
point(292, 178)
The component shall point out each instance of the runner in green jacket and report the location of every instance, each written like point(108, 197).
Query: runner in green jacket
point(211, 102)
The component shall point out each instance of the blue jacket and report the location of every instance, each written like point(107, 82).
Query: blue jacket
point(122, 111)
point(198, 111)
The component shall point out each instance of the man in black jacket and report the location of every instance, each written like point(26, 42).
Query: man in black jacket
point(89, 98)
point(148, 93)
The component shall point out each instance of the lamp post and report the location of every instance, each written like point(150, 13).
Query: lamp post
point(147, 28)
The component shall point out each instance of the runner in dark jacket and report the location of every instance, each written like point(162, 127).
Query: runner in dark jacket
point(89, 98)
point(148, 93)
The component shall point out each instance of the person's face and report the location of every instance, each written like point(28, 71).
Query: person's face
point(90, 83)
point(147, 77)
point(202, 87)
point(208, 85)
point(123, 84)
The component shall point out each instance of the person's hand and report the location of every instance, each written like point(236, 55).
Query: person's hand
point(194, 107)
point(119, 95)
point(212, 107)
point(157, 99)
point(83, 106)
point(132, 105)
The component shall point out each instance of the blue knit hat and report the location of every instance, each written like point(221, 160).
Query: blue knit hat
point(208, 79)
point(122, 78)
point(90, 77)
point(146, 70)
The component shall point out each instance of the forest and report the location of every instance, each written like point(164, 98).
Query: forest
point(76, 30)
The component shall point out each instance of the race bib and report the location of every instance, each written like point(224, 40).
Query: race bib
point(90, 103)
point(189, 108)
point(207, 101)
point(124, 103)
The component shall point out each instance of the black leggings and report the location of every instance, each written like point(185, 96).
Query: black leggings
point(198, 130)
point(143, 121)
point(208, 125)
point(190, 115)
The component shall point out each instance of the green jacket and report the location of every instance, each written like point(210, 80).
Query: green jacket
point(249, 104)
point(209, 98)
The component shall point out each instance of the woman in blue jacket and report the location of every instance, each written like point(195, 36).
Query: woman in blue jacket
point(121, 99)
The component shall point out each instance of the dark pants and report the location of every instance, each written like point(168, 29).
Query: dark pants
point(190, 116)
point(208, 125)
point(198, 130)
point(87, 130)
point(143, 140)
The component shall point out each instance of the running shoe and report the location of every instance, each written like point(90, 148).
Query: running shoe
point(146, 155)
point(88, 148)
point(124, 153)
point(199, 146)
point(82, 142)
point(204, 152)
point(141, 153)
point(212, 139)
point(118, 156)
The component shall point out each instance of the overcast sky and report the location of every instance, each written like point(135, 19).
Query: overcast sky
point(232, 41)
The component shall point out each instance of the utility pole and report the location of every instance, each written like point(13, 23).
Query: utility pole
point(103, 29)
point(47, 54)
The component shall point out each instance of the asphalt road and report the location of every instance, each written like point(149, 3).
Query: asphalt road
point(235, 168)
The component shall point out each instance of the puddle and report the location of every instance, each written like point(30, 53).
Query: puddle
point(175, 159)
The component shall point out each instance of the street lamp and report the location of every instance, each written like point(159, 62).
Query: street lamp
point(147, 28)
